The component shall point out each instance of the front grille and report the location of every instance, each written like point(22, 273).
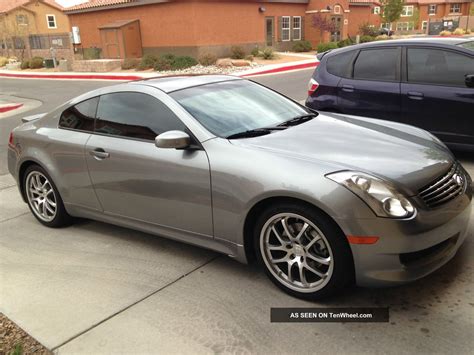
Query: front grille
point(445, 188)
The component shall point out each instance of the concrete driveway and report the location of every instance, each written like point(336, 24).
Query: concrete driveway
point(94, 288)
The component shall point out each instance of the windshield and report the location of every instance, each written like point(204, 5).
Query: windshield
point(468, 45)
point(236, 106)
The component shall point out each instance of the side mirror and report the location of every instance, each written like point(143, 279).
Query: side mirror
point(469, 80)
point(173, 139)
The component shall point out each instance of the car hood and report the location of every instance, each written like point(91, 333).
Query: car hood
point(406, 155)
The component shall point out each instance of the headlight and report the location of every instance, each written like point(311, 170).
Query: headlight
point(381, 197)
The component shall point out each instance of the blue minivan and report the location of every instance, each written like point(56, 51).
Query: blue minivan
point(426, 82)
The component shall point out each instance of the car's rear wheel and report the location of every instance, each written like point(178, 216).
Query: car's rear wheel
point(43, 198)
point(303, 251)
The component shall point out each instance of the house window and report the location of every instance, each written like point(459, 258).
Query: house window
point(337, 9)
point(405, 26)
point(285, 28)
point(22, 20)
point(432, 9)
point(376, 10)
point(51, 20)
point(424, 25)
point(455, 9)
point(407, 11)
point(297, 28)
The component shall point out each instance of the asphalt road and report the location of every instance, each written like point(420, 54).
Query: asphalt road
point(94, 288)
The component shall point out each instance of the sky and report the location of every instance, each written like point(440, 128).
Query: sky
point(67, 3)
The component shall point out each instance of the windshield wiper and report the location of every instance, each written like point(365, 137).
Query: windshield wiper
point(251, 133)
point(298, 120)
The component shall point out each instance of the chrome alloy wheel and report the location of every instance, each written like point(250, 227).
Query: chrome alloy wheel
point(41, 196)
point(296, 252)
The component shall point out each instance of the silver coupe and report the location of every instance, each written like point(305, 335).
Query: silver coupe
point(320, 199)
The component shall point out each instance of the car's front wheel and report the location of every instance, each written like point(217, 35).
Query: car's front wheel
point(303, 251)
point(43, 198)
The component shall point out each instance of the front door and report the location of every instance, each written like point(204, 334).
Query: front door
point(134, 179)
point(337, 26)
point(269, 31)
point(110, 43)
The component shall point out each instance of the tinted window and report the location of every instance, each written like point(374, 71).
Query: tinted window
point(468, 45)
point(135, 115)
point(340, 64)
point(435, 66)
point(236, 106)
point(80, 116)
point(377, 64)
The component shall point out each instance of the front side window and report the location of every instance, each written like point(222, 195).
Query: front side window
point(435, 66)
point(236, 106)
point(80, 117)
point(297, 28)
point(285, 28)
point(377, 64)
point(51, 20)
point(432, 9)
point(455, 8)
point(407, 11)
point(135, 115)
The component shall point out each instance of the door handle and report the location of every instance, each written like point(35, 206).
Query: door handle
point(415, 95)
point(347, 88)
point(99, 154)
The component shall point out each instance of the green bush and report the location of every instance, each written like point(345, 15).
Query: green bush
point(365, 39)
point(25, 64)
point(237, 52)
point(302, 46)
point(163, 64)
point(3, 61)
point(268, 53)
point(207, 59)
point(255, 52)
point(366, 29)
point(183, 62)
point(148, 62)
point(324, 47)
point(171, 62)
point(344, 43)
point(36, 63)
point(130, 63)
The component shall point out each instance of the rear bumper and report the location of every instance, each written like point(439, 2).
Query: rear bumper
point(407, 250)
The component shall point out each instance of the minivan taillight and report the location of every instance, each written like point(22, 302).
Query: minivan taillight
point(312, 87)
point(10, 141)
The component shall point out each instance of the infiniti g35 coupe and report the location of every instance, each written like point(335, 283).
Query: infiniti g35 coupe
point(321, 200)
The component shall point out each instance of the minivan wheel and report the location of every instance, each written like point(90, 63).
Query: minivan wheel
point(303, 251)
point(43, 198)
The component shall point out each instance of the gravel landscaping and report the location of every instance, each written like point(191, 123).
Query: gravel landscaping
point(15, 341)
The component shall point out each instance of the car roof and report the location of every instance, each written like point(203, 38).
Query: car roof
point(179, 82)
point(425, 40)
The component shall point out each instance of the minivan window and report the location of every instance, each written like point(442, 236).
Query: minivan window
point(377, 64)
point(340, 64)
point(135, 115)
point(81, 116)
point(436, 66)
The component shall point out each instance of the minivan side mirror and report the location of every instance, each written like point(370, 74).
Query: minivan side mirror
point(469, 80)
point(173, 140)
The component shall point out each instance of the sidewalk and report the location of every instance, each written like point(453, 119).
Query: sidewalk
point(307, 62)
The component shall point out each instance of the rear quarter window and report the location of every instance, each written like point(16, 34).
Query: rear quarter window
point(80, 117)
point(340, 64)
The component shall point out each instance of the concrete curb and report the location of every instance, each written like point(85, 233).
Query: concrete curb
point(265, 70)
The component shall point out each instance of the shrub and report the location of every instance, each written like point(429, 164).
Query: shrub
point(207, 59)
point(36, 62)
point(366, 29)
point(302, 46)
point(237, 52)
point(25, 64)
point(344, 43)
point(468, 31)
point(163, 64)
point(365, 39)
point(268, 53)
point(256, 52)
point(249, 58)
point(445, 33)
point(3, 61)
point(130, 63)
point(459, 31)
point(148, 62)
point(324, 47)
point(183, 62)
point(168, 56)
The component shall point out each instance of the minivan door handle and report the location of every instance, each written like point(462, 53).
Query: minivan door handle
point(99, 154)
point(347, 88)
point(415, 95)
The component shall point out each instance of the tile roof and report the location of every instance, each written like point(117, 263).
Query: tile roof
point(98, 3)
point(8, 5)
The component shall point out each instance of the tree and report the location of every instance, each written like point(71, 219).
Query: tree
point(392, 9)
point(322, 24)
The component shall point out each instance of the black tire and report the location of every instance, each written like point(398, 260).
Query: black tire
point(61, 217)
point(343, 264)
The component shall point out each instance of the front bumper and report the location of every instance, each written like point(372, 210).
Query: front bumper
point(409, 249)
